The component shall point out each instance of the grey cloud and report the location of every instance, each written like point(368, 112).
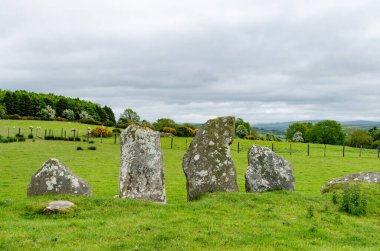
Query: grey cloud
point(261, 60)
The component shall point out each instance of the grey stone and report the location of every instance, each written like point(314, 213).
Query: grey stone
point(58, 206)
point(207, 164)
point(267, 171)
point(55, 178)
point(141, 165)
point(369, 177)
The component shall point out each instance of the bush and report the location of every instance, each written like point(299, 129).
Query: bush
point(92, 148)
point(91, 142)
point(79, 148)
point(252, 137)
point(30, 136)
point(8, 140)
point(167, 129)
point(101, 131)
point(353, 201)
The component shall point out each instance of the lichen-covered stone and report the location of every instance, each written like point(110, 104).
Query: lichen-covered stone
point(58, 206)
point(267, 171)
point(55, 178)
point(141, 165)
point(369, 177)
point(207, 164)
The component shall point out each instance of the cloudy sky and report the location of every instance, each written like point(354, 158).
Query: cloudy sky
point(264, 61)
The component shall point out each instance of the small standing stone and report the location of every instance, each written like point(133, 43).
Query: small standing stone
point(55, 178)
point(267, 171)
point(141, 165)
point(207, 164)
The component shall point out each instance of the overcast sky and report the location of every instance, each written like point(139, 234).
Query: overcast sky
point(263, 61)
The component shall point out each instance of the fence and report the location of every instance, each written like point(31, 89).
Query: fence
point(282, 148)
point(239, 146)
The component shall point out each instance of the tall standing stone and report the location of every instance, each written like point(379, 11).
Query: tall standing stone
point(141, 165)
point(267, 171)
point(55, 178)
point(207, 164)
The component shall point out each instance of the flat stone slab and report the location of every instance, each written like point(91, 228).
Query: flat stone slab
point(207, 164)
point(267, 171)
point(58, 206)
point(141, 165)
point(55, 178)
point(369, 177)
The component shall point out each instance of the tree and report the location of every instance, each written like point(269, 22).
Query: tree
point(129, 116)
point(61, 105)
point(360, 138)
point(68, 114)
point(297, 137)
point(110, 114)
point(84, 115)
point(2, 111)
point(47, 113)
point(246, 125)
point(301, 127)
point(164, 122)
point(327, 132)
point(241, 131)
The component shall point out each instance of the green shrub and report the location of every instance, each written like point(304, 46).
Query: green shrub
point(353, 200)
point(30, 136)
point(79, 148)
point(92, 148)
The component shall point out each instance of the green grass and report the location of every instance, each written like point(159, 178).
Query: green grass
point(219, 221)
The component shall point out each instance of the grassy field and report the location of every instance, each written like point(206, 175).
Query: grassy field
point(237, 221)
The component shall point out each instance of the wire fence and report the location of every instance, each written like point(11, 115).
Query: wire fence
point(284, 148)
point(177, 143)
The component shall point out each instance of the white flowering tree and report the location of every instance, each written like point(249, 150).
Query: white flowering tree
point(68, 114)
point(47, 113)
point(84, 115)
point(297, 137)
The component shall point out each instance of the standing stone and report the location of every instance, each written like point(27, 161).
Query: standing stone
point(267, 171)
point(55, 178)
point(368, 177)
point(207, 164)
point(141, 165)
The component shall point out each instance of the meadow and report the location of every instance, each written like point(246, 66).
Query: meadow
point(280, 220)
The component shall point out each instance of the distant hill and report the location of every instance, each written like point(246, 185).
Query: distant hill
point(280, 127)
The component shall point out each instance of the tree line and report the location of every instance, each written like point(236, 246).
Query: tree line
point(331, 132)
point(29, 105)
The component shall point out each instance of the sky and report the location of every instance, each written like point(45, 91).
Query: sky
point(190, 60)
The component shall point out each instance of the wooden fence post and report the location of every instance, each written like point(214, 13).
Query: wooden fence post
point(324, 153)
point(290, 149)
point(238, 146)
point(272, 147)
point(344, 149)
point(308, 149)
point(171, 142)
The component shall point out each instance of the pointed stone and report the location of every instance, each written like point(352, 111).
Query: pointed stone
point(267, 171)
point(207, 164)
point(141, 165)
point(55, 178)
